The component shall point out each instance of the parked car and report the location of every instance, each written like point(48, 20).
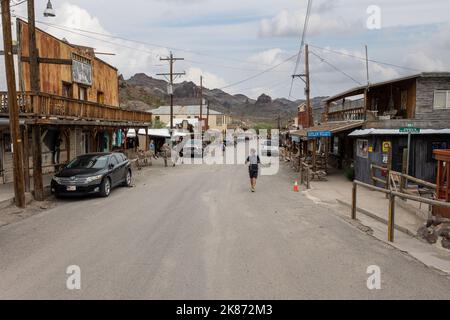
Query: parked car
point(269, 149)
point(193, 148)
point(94, 173)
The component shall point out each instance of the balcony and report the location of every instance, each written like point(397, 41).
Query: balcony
point(346, 115)
point(44, 105)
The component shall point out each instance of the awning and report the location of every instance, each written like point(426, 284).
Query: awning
point(151, 132)
point(391, 132)
point(333, 127)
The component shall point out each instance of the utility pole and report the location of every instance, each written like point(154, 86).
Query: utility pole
point(207, 115)
point(171, 76)
point(14, 124)
point(35, 89)
point(305, 78)
point(201, 104)
point(366, 91)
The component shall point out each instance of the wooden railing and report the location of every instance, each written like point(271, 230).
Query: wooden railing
point(345, 115)
point(46, 105)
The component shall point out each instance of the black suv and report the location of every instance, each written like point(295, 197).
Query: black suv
point(93, 173)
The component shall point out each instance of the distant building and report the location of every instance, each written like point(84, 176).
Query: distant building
point(217, 120)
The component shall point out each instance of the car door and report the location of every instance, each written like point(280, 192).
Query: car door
point(114, 170)
point(122, 167)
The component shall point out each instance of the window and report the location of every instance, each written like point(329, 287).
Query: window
point(82, 93)
point(441, 99)
point(362, 148)
point(219, 120)
point(434, 145)
point(100, 97)
point(67, 90)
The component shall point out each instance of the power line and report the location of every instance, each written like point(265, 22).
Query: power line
point(363, 58)
point(336, 68)
point(143, 42)
point(258, 74)
point(302, 43)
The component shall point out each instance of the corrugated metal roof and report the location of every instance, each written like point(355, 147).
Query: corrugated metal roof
point(334, 127)
point(183, 110)
point(388, 132)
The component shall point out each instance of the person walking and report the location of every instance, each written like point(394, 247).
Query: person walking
point(167, 153)
point(253, 162)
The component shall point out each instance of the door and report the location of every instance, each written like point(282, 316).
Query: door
point(2, 177)
point(115, 175)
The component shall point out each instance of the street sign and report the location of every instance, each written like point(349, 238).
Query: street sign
point(409, 130)
point(319, 134)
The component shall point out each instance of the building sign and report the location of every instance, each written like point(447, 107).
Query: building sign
point(81, 70)
point(319, 134)
point(409, 130)
point(386, 146)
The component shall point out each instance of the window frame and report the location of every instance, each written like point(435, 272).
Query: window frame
point(358, 154)
point(447, 100)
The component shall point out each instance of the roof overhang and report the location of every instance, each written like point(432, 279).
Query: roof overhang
point(394, 132)
point(334, 127)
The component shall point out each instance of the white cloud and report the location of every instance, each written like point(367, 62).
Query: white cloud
point(267, 58)
point(130, 58)
point(290, 24)
point(210, 81)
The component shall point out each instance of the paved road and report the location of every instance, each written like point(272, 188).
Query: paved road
point(198, 233)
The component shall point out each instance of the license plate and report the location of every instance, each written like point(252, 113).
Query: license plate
point(71, 188)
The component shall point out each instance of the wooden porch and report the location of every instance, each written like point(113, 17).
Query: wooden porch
point(42, 105)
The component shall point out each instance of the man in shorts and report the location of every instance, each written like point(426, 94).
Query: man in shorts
point(253, 162)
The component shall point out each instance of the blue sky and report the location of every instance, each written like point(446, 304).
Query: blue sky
point(228, 41)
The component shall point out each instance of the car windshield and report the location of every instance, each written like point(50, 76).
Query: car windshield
point(89, 162)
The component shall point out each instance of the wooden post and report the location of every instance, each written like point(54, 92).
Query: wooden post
point(307, 177)
point(147, 142)
point(19, 183)
point(301, 172)
point(354, 201)
point(67, 134)
point(391, 218)
point(403, 180)
point(37, 164)
point(33, 52)
point(26, 158)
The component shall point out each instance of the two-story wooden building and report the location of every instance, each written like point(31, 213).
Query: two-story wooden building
point(363, 121)
point(75, 111)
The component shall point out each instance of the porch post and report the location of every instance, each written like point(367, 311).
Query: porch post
point(26, 156)
point(37, 164)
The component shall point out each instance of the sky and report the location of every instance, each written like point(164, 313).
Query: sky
point(234, 40)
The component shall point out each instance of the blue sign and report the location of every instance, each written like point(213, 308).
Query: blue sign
point(319, 134)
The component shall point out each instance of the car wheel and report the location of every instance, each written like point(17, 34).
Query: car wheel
point(127, 182)
point(105, 187)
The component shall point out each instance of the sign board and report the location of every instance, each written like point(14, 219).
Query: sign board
point(386, 146)
point(409, 130)
point(81, 72)
point(319, 134)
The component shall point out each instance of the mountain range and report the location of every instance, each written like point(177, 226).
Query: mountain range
point(144, 93)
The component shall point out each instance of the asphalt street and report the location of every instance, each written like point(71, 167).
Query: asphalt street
point(197, 232)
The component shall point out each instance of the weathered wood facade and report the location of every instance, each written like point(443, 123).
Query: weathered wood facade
point(391, 105)
point(76, 110)
point(56, 78)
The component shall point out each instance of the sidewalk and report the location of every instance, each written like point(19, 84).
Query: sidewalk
point(7, 191)
point(372, 214)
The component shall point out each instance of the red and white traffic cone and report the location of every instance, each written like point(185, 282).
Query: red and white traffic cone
point(296, 186)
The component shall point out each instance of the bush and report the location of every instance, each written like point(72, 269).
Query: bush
point(349, 172)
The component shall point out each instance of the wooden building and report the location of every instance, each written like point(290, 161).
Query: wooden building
point(375, 115)
point(75, 111)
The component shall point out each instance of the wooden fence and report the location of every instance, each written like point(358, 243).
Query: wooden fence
point(391, 207)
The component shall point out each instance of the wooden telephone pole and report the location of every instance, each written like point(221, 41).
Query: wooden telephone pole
point(171, 76)
point(201, 104)
point(305, 78)
point(35, 87)
point(17, 144)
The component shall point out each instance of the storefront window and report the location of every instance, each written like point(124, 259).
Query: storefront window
point(362, 148)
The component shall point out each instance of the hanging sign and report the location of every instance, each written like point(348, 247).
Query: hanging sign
point(319, 134)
